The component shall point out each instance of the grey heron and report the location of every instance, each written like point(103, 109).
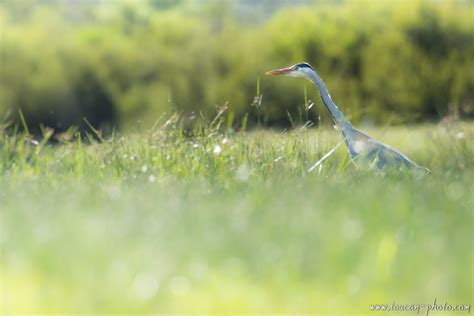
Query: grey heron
point(365, 151)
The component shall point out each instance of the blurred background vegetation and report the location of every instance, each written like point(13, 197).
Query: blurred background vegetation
point(117, 63)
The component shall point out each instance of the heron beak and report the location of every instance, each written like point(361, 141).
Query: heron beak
point(281, 71)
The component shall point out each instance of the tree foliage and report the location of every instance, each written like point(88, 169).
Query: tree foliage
point(117, 62)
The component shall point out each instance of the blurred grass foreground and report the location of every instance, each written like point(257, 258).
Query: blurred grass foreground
point(233, 223)
point(119, 62)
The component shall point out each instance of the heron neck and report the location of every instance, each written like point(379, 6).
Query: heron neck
point(336, 114)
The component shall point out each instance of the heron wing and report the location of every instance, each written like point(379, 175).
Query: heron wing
point(365, 150)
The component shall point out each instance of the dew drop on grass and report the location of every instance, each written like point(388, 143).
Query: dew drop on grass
point(145, 285)
point(151, 179)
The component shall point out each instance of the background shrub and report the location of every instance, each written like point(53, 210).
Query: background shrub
point(118, 62)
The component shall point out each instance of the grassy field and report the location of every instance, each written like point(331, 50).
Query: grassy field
point(222, 223)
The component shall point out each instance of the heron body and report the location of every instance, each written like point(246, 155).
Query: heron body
point(365, 151)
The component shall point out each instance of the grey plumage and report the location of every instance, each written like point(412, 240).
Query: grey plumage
point(365, 151)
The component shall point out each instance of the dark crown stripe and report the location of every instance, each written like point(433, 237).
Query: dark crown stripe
point(304, 65)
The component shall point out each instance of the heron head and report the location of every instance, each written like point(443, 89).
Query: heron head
point(297, 70)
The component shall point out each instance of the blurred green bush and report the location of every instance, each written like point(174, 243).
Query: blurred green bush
point(118, 62)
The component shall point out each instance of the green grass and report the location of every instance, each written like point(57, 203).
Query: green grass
point(157, 222)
